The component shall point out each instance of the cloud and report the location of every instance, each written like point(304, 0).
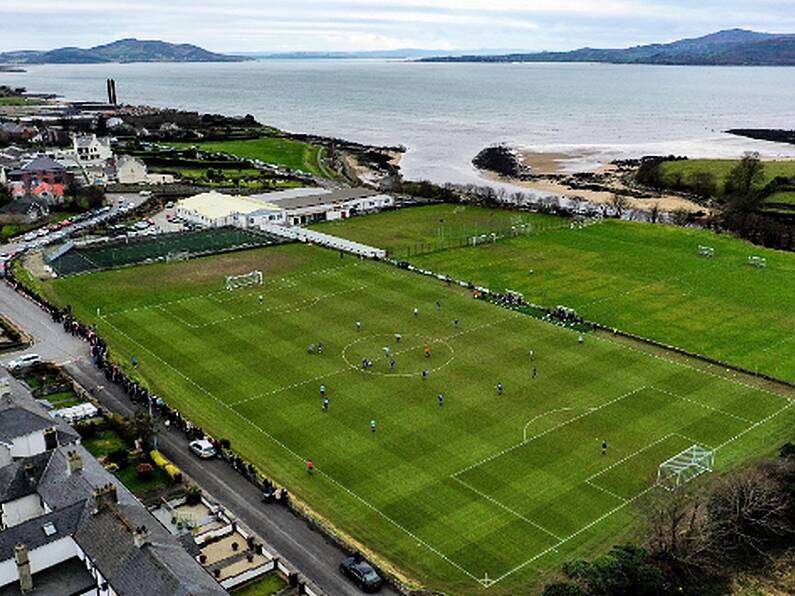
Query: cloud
point(248, 25)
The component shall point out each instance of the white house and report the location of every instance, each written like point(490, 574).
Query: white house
point(130, 170)
point(92, 149)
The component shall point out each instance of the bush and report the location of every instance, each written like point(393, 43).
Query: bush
point(625, 570)
point(145, 470)
point(193, 496)
point(118, 457)
point(112, 468)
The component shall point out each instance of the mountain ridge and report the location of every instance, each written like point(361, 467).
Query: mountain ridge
point(730, 47)
point(122, 51)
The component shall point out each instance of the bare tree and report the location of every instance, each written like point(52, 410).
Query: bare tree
point(619, 203)
point(654, 213)
point(748, 510)
point(678, 530)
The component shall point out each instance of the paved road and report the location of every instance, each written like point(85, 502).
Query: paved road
point(305, 549)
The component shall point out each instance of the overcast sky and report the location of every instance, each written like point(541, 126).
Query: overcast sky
point(281, 25)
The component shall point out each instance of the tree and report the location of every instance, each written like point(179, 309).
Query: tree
point(94, 197)
point(704, 184)
point(678, 530)
point(748, 510)
point(654, 213)
point(746, 176)
point(142, 426)
point(5, 196)
point(619, 203)
point(625, 571)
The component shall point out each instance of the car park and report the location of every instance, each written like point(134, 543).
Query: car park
point(202, 448)
point(360, 572)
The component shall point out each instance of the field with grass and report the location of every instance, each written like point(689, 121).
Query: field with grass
point(483, 494)
point(433, 227)
point(783, 198)
point(685, 170)
point(274, 150)
point(643, 279)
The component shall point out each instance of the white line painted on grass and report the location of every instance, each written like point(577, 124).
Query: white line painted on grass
point(701, 405)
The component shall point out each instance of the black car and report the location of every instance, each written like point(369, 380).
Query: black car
point(361, 573)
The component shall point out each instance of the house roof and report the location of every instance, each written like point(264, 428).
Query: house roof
point(55, 190)
point(214, 205)
point(42, 163)
point(318, 199)
point(20, 399)
point(31, 533)
point(18, 422)
point(23, 205)
point(20, 478)
point(69, 577)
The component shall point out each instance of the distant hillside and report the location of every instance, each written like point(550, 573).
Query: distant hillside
point(125, 50)
point(726, 48)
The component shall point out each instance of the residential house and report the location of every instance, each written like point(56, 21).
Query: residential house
point(91, 149)
point(68, 526)
point(27, 180)
point(25, 210)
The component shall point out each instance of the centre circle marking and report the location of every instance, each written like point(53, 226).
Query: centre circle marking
point(391, 339)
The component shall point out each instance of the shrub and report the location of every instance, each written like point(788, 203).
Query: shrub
point(193, 496)
point(145, 470)
point(119, 457)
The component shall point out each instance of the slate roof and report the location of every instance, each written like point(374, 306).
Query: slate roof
point(69, 577)
point(18, 422)
point(18, 480)
point(31, 532)
point(42, 163)
point(328, 198)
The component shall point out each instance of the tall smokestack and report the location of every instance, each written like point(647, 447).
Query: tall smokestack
point(113, 87)
point(109, 91)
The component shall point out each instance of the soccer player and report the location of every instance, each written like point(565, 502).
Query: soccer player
point(325, 405)
point(372, 425)
point(604, 447)
point(427, 351)
point(580, 339)
point(441, 399)
point(425, 375)
point(322, 391)
point(438, 305)
point(358, 325)
point(386, 351)
point(499, 388)
point(397, 337)
point(320, 347)
point(310, 466)
point(392, 364)
point(416, 311)
point(535, 372)
point(532, 355)
point(260, 298)
point(456, 323)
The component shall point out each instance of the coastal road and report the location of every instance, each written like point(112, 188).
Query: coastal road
point(303, 548)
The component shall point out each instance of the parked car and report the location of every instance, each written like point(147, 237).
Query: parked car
point(202, 448)
point(23, 362)
point(361, 573)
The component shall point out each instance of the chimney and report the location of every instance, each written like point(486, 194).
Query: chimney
point(105, 497)
point(141, 536)
point(23, 567)
point(74, 463)
point(30, 474)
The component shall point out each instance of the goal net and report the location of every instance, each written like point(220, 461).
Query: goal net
point(706, 251)
point(234, 282)
point(760, 262)
point(685, 466)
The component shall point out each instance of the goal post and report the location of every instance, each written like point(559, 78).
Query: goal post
point(234, 282)
point(685, 466)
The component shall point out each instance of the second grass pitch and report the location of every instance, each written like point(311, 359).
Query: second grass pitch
point(484, 490)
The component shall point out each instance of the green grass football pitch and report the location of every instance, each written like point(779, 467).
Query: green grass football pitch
point(483, 491)
point(643, 279)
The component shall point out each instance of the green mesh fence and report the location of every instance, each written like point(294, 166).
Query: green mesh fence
point(163, 247)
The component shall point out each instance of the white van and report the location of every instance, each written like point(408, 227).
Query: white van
point(23, 362)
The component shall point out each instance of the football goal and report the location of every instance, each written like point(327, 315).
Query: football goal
point(706, 251)
point(685, 466)
point(759, 262)
point(234, 282)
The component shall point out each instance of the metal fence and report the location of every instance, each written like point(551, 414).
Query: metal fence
point(162, 247)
